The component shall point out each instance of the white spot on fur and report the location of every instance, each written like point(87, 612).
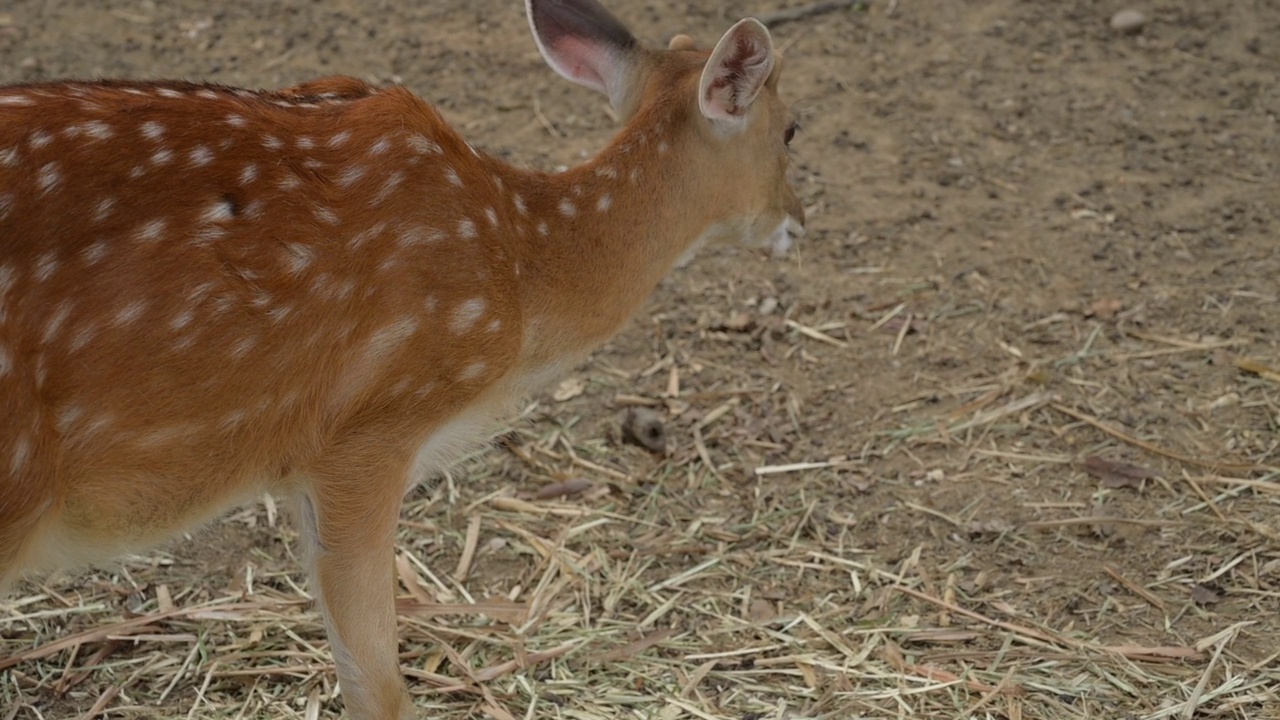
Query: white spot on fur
point(604, 203)
point(423, 145)
point(288, 181)
point(351, 175)
point(339, 139)
point(95, 252)
point(56, 321)
point(150, 231)
point(472, 371)
point(151, 130)
point(232, 419)
point(567, 208)
point(383, 342)
point(452, 176)
point(67, 416)
point(217, 212)
point(467, 314)
point(388, 186)
point(95, 129)
point(49, 177)
point(249, 174)
point(103, 208)
point(182, 319)
point(299, 256)
point(418, 235)
point(242, 347)
point(366, 235)
point(46, 265)
point(200, 156)
point(18, 456)
point(161, 157)
point(466, 229)
point(39, 139)
point(129, 313)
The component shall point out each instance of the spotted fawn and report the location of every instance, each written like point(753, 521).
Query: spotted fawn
point(325, 293)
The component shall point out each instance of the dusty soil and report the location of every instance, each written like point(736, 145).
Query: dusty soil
point(1038, 248)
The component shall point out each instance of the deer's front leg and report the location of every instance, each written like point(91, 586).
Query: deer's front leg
point(349, 535)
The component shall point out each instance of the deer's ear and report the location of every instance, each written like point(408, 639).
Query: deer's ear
point(583, 42)
point(738, 68)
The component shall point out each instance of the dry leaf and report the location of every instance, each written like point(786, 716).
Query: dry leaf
point(572, 486)
point(988, 527)
point(1105, 308)
point(1204, 595)
point(761, 611)
point(569, 389)
point(738, 322)
point(1116, 474)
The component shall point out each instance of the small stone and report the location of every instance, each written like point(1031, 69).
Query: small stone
point(1128, 21)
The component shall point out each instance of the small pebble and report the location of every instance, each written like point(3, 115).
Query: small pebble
point(1128, 21)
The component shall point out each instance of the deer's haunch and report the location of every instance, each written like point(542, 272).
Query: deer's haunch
point(208, 293)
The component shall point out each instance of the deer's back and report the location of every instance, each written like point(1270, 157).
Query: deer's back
point(199, 284)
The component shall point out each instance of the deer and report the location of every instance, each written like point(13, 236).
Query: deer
point(324, 293)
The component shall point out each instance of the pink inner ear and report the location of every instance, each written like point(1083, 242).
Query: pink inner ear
point(579, 59)
point(738, 75)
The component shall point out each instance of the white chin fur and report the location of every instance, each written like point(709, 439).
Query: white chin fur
point(780, 240)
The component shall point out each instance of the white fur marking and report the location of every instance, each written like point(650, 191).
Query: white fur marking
point(49, 177)
point(467, 314)
point(200, 156)
point(130, 312)
point(150, 231)
point(152, 130)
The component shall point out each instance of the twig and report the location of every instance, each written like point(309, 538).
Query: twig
point(1156, 450)
point(1134, 587)
point(816, 334)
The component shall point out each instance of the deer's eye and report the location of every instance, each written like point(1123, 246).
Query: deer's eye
point(790, 133)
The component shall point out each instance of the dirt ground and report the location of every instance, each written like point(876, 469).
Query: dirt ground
point(999, 440)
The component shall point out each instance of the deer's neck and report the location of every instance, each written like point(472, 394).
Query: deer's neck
point(603, 235)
